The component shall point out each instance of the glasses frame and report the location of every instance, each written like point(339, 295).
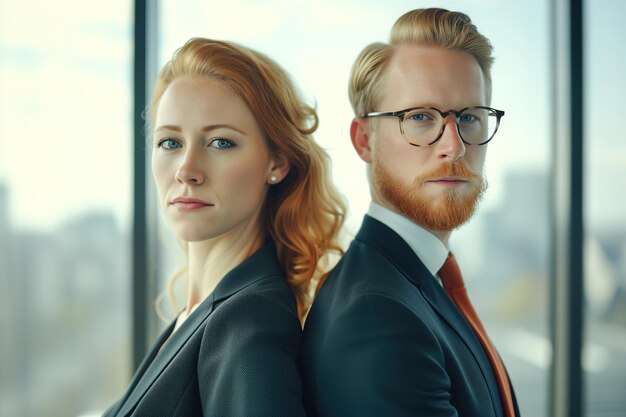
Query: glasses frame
point(457, 113)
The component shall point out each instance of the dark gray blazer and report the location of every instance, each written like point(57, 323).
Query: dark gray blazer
point(236, 354)
point(384, 339)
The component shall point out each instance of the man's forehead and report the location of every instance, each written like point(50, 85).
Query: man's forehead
point(428, 75)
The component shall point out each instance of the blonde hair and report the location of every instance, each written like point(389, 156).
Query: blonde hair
point(304, 213)
point(429, 27)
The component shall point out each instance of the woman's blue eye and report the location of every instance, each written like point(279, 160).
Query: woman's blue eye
point(221, 143)
point(169, 143)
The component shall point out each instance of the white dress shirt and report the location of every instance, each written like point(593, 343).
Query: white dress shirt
point(431, 251)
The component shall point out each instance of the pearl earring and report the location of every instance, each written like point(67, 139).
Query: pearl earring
point(273, 179)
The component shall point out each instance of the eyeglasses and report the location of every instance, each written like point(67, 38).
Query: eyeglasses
point(423, 126)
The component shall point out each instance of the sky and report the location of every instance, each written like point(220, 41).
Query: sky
point(65, 92)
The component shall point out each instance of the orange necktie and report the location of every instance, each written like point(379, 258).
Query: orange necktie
point(452, 280)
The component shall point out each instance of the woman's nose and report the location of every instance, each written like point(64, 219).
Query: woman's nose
point(190, 170)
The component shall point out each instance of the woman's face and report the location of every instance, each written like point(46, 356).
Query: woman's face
point(211, 164)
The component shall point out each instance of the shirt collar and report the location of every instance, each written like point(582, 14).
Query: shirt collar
point(431, 251)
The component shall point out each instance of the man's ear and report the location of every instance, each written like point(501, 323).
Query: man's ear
point(360, 134)
point(279, 168)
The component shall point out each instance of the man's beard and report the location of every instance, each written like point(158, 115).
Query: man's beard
point(444, 213)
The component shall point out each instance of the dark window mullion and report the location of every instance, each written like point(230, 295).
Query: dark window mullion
point(567, 215)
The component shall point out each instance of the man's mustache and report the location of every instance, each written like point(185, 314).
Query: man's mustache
point(454, 169)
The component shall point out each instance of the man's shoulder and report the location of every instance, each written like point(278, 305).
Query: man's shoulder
point(365, 263)
point(364, 271)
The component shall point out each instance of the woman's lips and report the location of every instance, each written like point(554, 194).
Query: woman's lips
point(189, 203)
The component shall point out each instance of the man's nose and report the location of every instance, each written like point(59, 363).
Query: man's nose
point(450, 146)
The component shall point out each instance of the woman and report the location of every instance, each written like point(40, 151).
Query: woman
point(244, 186)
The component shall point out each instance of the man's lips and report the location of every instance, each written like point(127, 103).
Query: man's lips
point(448, 181)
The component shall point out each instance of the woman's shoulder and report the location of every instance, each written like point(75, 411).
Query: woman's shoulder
point(261, 314)
point(258, 286)
point(261, 275)
point(269, 295)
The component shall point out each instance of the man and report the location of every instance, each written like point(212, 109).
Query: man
point(391, 332)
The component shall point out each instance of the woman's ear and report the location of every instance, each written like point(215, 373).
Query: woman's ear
point(279, 168)
point(361, 135)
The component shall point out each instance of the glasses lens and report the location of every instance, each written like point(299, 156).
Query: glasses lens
point(421, 126)
point(477, 125)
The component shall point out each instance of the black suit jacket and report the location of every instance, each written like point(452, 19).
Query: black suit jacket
point(384, 339)
point(236, 354)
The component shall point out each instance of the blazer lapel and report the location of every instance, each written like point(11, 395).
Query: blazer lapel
point(378, 235)
point(157, 361)
point(259, 265)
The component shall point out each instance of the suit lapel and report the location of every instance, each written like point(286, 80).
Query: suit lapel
point(157, 361)
point(259, 265)
point(390, 244)
point(262, 264)
point(441, 303)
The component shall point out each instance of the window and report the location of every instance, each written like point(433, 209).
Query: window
point(65, 129)
point(604, 349)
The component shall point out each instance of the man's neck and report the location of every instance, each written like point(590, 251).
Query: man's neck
point(442, 235)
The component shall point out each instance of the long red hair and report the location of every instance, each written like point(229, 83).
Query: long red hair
point(304, 213)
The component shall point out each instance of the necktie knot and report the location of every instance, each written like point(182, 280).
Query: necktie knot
point(450, 274)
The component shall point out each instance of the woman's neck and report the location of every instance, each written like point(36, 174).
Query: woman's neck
point(210, 260)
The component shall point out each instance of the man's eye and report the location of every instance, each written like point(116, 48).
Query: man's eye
point(467, 118)
point(421, 117)
point(418, 117)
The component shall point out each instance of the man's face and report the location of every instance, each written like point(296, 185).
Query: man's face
point(436, 186)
